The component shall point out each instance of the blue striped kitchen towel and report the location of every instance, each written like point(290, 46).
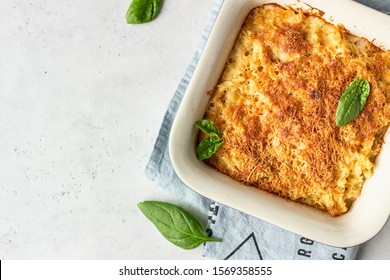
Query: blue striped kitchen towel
point(244, 237)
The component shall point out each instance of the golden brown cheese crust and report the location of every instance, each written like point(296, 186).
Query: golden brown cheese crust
point(276, 105)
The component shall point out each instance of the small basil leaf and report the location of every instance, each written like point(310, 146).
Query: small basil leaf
point(207, 147)
point(175, 224)
point(142, 11)
point(209, 128)
point(352, 101)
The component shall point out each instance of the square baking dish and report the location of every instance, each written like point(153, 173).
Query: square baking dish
point(368, 213)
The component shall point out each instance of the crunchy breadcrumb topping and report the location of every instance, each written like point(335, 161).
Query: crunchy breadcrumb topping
point(276, 105)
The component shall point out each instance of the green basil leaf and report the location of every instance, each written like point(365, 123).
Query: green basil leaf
point(175, 224)
point(207, 147)
point(209, 128)
point(142, 11)
point(352, 101)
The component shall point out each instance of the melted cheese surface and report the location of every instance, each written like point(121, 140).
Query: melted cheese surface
point(276, 105)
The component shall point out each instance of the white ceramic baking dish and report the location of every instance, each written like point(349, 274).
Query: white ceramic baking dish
point(368, 214)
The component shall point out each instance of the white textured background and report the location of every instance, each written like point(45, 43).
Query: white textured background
point(82, 96)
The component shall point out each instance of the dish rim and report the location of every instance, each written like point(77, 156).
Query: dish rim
point(342, 231)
